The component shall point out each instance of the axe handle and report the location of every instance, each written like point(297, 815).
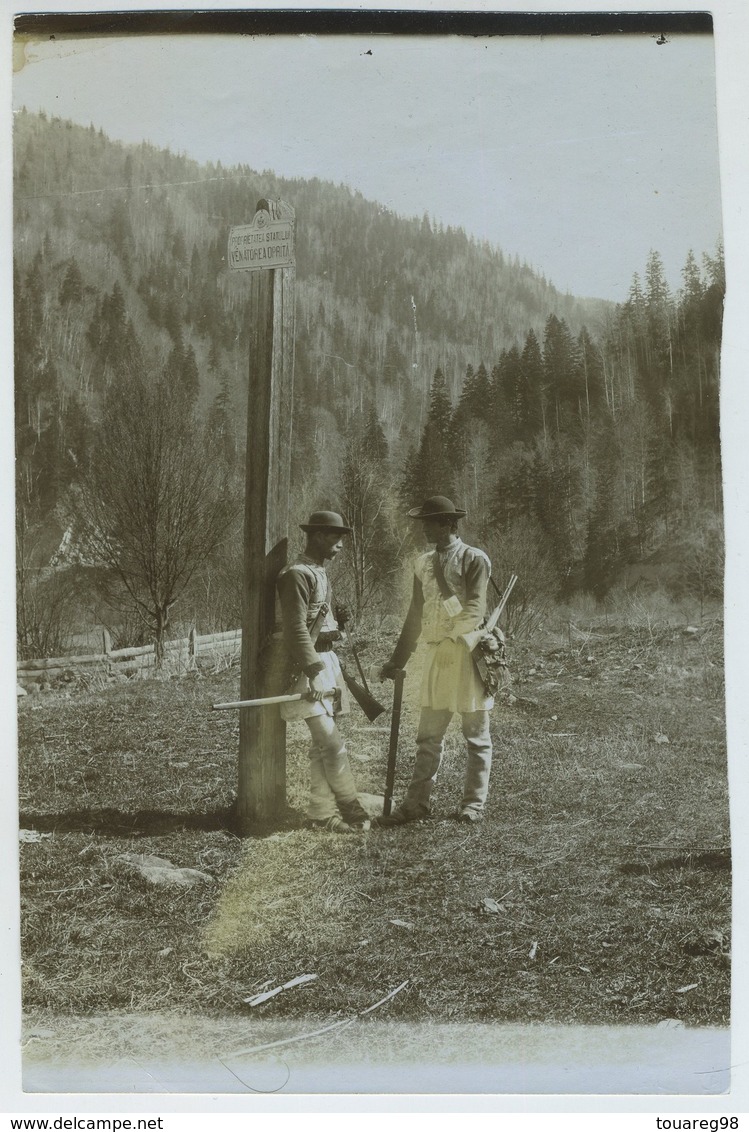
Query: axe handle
point(395, 722)
point(266, 700)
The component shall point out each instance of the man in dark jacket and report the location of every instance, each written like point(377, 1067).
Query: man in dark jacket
point(448, 603)
point(306, 604)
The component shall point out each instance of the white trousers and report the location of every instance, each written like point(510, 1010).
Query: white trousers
point(330, 778)
point(429, 745)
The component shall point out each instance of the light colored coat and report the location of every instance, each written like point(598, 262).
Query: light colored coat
point(449, 681)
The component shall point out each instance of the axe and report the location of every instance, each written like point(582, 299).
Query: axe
point(263, 701)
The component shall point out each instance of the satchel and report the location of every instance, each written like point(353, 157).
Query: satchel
point(490, 657)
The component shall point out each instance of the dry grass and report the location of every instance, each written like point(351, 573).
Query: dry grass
point(604, 845)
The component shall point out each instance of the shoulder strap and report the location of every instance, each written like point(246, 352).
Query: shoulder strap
point(480, 554)
point(315, 627)
point(440, 578)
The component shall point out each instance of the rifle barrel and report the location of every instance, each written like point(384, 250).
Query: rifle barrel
point(497, 612)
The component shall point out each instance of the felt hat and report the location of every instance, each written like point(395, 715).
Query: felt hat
point(437, 507)
point(326, 521)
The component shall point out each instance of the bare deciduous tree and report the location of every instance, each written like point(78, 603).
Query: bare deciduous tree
point(153, 505)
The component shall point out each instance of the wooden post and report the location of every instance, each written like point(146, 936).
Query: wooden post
point(261, 794)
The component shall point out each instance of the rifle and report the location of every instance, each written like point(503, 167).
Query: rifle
point(486, 649)
point(371, 707)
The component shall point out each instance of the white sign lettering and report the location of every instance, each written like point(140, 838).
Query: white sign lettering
point(267, 242)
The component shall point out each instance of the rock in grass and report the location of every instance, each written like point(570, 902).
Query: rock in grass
point(159, 870)
point(706, 943)
point(373, 804)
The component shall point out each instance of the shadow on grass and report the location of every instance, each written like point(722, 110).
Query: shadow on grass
point(718, 860)
point(114, 823)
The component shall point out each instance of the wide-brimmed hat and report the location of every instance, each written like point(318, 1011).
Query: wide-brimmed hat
point(437, 507)
point(326, 521)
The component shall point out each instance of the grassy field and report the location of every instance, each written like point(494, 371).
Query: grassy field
point(604, 856)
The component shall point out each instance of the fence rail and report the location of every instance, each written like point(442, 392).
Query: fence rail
point(182, 654)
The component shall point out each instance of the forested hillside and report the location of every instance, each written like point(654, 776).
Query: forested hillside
point(580, 436)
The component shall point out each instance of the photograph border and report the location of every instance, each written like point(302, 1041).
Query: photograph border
point(731, 31)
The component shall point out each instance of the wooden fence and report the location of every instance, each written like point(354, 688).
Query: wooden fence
point(180, 655)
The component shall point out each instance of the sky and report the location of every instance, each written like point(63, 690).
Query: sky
point(580, 154)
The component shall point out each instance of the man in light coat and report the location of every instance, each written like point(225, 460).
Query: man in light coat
point(448, 602)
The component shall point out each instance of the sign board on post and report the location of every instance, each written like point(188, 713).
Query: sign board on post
point(261, 793)
point(267, 242)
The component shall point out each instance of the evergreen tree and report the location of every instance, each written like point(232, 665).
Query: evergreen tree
point(373, 440)
point(221, 428)
point(531, 398)
point(71, 289)
point(560, 370)
point(367, 498)
point(602, 546)
point(511, 385)
point(556, 497)
point(432, 470)
point(476, 393)
point(659, 316)
point(181, 371)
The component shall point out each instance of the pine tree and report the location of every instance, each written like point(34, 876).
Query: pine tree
point(659, 316)
point(432, 470)
point(373, 441)
point(530, 395)
point(181, 371)
point(367, 498)
point(221, 427)
point(602, 549)
point(560, 372)
point(71, 288)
